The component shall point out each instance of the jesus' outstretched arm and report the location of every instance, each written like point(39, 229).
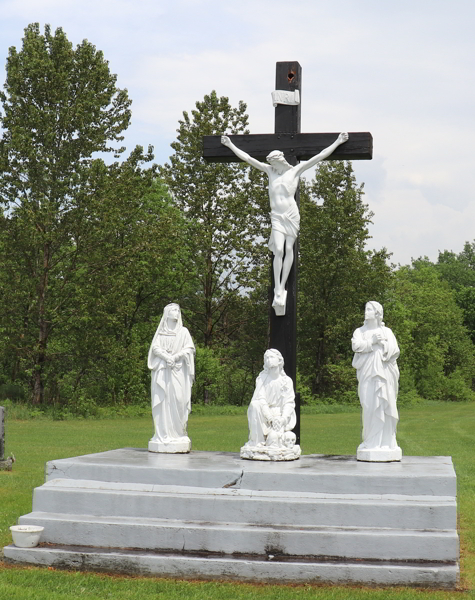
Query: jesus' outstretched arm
point(244, 155)
point(307, 164)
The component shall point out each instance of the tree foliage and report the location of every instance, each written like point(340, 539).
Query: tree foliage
point(133, 266)
point(85, 247)
point(459, 272)
point(337, 275)
point(227, 213)
point(437, 354)
point(60, 105)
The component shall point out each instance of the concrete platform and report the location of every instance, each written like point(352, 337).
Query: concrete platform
point(214, 516)
point(414, 475)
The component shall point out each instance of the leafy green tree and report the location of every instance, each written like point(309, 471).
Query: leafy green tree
point(459, 272)
point(458, 269)
point(337, 275)
point(129, 262)
point(60, 105)
point(437, 355)
point(228, 215)
point(135, 264)
point(90, 252)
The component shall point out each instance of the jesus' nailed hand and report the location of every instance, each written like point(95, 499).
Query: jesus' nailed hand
point(284, 213)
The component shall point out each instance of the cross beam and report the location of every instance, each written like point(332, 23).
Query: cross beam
point(300, 145)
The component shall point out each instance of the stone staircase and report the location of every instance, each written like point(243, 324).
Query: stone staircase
point(214, 516)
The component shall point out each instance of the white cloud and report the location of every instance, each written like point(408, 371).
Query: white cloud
point(402, 70)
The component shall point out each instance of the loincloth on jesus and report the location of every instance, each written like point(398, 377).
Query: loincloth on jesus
point(287, 223)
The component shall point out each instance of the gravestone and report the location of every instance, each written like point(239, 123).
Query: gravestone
point(5, 465)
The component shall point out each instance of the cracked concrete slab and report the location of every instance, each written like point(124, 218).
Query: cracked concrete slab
point(415, 475)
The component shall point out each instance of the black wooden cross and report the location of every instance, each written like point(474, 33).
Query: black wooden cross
point(296, 146)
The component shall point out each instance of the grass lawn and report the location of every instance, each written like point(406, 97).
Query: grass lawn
point(439, 429)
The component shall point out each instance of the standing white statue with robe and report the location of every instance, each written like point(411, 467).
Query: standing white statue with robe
point(171, 359)
point(271, 414)
point(284, 213)
point(376, 351)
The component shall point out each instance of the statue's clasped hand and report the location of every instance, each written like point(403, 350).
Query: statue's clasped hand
point(378, 338)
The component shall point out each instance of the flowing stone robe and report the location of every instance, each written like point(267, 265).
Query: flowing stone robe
point(378, 384)
point(272, 397)
point(171, 386)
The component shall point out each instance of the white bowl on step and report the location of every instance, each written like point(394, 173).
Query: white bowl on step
point(26, 536)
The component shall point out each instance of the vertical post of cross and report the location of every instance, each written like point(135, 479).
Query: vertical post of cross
point(283, 329)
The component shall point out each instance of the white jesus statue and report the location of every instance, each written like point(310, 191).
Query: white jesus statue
point(284, 213)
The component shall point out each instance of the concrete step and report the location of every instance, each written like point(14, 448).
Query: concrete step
point(414, 475)
point(211, 515)
point(379, 573)
point(86, 497)
point(242, 538)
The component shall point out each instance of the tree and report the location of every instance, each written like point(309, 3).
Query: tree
point(63, 239)
point(459, 272)
point(227, 212)
point(134, 264)
point(129, 262)
point(458, 269)
point(437, 355)
point(337, 275)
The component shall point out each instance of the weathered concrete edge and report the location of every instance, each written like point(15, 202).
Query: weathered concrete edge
point(345, 544)
point(312, 473)
point(438, 576)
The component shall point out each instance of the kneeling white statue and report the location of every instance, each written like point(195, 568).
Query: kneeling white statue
point(376, 352)
point(271, 414)
point(171, 359)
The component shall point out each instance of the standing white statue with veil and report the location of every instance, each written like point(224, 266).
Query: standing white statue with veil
point(284, 213)
point(376, 352)
point(171, 359)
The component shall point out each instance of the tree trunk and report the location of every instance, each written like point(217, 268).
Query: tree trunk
point(208, 334)
point(317, 387)
point(38, 370)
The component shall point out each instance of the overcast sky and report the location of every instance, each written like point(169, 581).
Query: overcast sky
point(403, 70)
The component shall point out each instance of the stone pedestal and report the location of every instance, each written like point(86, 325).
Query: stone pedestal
point(211, 515)
point(379, 454)
point(181, 446)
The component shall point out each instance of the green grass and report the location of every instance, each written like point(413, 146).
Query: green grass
point(438, 429)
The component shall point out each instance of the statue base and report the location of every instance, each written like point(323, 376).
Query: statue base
point(179, 446)
point(379, 454)
point(211, 515)
point(263, 452)
point(280, 303)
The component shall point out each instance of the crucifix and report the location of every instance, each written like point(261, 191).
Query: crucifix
point(284, 150)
